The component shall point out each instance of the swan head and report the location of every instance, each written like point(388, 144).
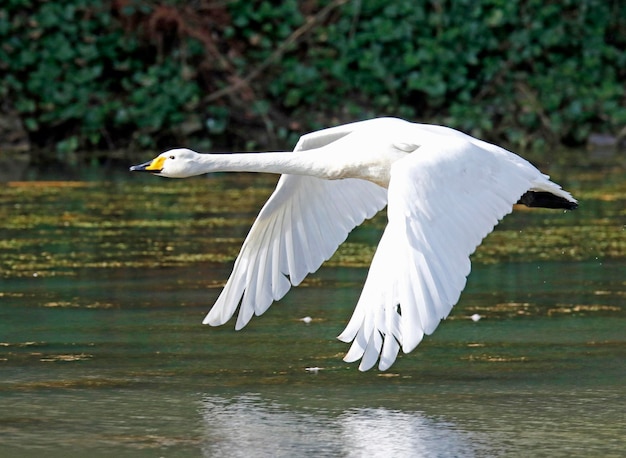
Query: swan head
point(175, 163)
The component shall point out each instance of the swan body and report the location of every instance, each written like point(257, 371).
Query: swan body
point(444, 191)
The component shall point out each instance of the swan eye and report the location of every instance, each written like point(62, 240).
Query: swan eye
point(172, 157)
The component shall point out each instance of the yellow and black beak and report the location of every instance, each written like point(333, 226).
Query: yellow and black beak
point(154, 166)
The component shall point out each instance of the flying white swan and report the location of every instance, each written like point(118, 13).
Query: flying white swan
point(445, 191)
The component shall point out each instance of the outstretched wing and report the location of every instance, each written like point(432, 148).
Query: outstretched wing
point(300, 227)
point(442, 202)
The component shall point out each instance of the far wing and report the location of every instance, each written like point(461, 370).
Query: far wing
point(443, 200)
point(324, 137)
point(299, 228)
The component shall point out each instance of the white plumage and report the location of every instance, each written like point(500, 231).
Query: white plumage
point(445, 191)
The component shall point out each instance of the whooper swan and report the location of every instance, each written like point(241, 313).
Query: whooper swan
point(444, 191)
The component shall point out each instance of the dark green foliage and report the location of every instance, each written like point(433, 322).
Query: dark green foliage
point(78, 79)
point(243, 74)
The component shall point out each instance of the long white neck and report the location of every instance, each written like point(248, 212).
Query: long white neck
point(300, 163)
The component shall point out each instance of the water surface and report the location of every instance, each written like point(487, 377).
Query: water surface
point(105, 280)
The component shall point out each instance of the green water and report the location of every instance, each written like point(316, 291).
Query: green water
point(105, 280)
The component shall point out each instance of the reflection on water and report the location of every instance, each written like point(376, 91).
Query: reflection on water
point(103, 285)
point(241, 426)
point(176, 421)
point(500, 424)
point(376, 432)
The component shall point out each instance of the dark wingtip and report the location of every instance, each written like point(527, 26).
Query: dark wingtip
point(543, 199)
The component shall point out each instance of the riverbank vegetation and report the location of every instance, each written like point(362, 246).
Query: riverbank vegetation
point(238, 74)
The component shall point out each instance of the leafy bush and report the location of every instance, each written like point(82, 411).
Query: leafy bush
point(242, 74)
point(78, 79)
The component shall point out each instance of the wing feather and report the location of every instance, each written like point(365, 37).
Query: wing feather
point(300, 226)
point(442, 203)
